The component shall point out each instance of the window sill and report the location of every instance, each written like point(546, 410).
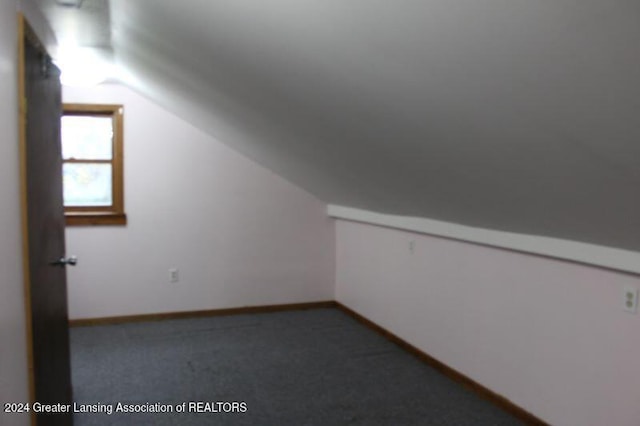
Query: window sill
point(95, 219)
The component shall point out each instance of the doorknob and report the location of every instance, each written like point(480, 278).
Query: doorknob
point(64, 261)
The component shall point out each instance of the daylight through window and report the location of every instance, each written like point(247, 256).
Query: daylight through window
point(92, 164)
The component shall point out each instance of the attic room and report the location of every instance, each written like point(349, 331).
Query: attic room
point(453, 183)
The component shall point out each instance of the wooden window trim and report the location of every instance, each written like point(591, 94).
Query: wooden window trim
point(114, 214)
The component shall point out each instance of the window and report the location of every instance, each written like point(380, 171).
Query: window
point(92, 164)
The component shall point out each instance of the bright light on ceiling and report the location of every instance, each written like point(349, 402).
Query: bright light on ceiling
point(83, 66)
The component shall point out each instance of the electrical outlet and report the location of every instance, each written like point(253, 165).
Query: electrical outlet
point(174, 275)
point(630, 299)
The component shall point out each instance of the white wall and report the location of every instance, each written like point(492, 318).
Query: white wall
point(549, 335)
point(239, 234)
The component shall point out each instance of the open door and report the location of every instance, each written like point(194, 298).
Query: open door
point(43, 228)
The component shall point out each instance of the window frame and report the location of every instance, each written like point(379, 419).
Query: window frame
point(101, 215)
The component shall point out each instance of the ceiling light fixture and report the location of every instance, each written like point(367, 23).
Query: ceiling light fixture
point(70, 3)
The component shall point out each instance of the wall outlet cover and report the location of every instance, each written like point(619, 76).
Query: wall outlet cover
point(174, 276)
point(630, 299)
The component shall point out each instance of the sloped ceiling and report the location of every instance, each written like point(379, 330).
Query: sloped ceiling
point(518, 115)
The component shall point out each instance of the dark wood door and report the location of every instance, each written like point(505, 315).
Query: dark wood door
point(47, 289)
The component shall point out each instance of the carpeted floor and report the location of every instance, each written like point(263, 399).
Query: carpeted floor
point(314, 367)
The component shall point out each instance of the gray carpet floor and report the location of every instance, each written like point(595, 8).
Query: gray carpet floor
point(314, 367)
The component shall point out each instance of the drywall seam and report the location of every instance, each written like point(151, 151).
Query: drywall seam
point(602, 256)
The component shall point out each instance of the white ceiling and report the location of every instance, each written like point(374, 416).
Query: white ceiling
point(515, 115)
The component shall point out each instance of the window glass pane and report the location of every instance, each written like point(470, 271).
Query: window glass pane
point(86, 137)
point(87, 184)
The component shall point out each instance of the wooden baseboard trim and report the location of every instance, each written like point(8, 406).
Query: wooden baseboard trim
point(454, 375)
point(200, 314)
